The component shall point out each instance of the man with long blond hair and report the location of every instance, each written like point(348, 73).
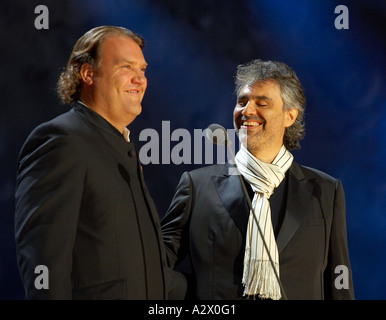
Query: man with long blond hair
point(82, 207)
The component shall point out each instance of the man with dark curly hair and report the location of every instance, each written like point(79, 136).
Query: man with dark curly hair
point(289, 241)
point(83, 211)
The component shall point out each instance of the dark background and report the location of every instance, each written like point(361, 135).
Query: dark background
point(193, 48)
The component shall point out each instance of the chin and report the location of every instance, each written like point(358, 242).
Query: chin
point(243, 136)
point(135, 109)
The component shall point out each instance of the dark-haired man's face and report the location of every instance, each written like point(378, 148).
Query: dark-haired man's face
point(260, 119)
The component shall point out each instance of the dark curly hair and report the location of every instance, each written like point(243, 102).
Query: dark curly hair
point(291, 92)
point(86, 50)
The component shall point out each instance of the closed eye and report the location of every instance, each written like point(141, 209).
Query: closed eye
point(129, 67)
point(243, 104)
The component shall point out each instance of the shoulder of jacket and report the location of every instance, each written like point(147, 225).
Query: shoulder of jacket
point(63, 123)
point(312, 173)
point(208, 170)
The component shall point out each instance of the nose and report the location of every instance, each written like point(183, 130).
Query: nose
point(249, 109)
point(139, 77)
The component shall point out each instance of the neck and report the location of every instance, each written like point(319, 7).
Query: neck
point(266, 155)
point(103, 112)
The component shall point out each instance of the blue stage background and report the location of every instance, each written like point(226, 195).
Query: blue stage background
point(193, 48)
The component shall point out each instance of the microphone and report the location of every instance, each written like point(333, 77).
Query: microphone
point(217, 134)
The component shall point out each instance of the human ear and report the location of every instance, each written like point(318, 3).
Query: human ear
point(87, 73)
point(290, 117)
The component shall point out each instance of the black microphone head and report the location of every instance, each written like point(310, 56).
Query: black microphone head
point(217, 134)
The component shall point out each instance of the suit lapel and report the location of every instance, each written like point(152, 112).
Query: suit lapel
point(231, 194)
point(300, 193)
point(298, 199)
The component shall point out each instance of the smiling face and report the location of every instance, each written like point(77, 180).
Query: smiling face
point(260, 119)
point(116, 89)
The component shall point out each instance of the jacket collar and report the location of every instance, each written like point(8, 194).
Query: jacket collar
point(97, 120)
point(300, 191)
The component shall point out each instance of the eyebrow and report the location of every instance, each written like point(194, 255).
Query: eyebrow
point(131, 62)
point(254, 97)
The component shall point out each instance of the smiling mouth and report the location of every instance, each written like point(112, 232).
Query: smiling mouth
point(132, 91)
point(249, 124)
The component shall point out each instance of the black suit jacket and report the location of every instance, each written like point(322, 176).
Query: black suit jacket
point(83, 211)
point(208, 217)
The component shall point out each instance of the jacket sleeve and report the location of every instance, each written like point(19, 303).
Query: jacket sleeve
point(338, 274)
point(175, 223)
point(175, 230)
point(48, 196)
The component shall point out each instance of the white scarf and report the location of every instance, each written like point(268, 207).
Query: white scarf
point(258, 276)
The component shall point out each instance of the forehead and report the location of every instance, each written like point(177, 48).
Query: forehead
point(116, 48)
point(269, 88)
